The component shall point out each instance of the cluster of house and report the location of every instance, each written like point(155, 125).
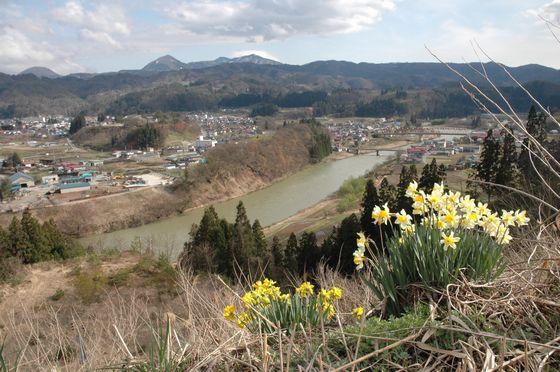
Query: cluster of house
point(37, 126)
point(351, 133)
point(66, 178)
point(441, 147)
point(224, 128)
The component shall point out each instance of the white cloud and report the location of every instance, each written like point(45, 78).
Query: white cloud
point(513, 47)
point(263, 20)
point(101, 24)
point(549, 11)
point(18, 52)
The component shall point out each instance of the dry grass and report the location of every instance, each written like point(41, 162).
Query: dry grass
point(127, 325)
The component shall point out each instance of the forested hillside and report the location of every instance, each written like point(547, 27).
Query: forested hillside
point(246, 84)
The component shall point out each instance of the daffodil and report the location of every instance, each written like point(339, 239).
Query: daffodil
point(359, 260)
point(449, 241)
point(305, 289)
point(412, 189)
point(507, 218)
point(502, 236)
point(243, 319)
point(521, 218)
point(409, 230)
point(358, 312)
point(438, 189)
point(483, 209)
point(470, 220)
point(381, 215)
point(229, 312)
point(453, 198)
point(403, 219)
point(467, 204)
point(335, 293)
point(450, 218)
point(361, 241)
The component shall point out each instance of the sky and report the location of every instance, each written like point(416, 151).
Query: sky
point(109, 35)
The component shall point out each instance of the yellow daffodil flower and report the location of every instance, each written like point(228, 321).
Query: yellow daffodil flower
point(305, 289)
point(403, 219)
point(229, 312)
point(521, 218)
point(358, 312)
point(449, 241)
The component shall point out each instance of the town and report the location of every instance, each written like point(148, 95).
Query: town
point(42, 166)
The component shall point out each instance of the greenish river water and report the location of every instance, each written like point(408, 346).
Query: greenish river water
point(270, 205)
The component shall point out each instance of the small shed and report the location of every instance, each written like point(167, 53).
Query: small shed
point(21, 180)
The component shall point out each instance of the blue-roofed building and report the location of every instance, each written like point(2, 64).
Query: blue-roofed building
point(66, 188)
point(21, 180)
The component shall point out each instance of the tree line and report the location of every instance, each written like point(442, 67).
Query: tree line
point(501, 162)
point(26, 241)
point(230, 249)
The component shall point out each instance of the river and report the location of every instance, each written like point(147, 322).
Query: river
point(270, 205)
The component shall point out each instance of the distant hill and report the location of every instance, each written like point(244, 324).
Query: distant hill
point(169, 63)
point(339, 87)
point(40, 72)
point(165, 63)
point(255, 59)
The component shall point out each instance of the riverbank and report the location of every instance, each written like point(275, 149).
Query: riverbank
point(139, 207)
point(269, 205)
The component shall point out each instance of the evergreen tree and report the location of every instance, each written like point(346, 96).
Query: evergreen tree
point(38, 244)
point(291, 254)
point(536, 122)
point(413, 172)
point(243, 241)
point(486, 169)
point(431, 174)
point(5, 189)
point(345, 244)
point(309, 254)
point(77, 123)
point(4, 243)
point(19, 244)
point(527, 162)
point(387, 194)
point(369, 201)
point(210, 248)
point(261, 248)
point(277, 252)
point(403, 201)
point(506, 172)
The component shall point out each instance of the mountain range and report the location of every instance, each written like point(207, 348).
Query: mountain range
point(167, 84)
point(162, 64)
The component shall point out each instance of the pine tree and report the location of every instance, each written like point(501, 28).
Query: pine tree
point(243, 241)
point(4, 243)
point(308, 255)
point(388, 194)
point(210, 249)
point(536, 122)
point(345, 244)
point(506, 172)
point(487, 167)
point(369, 201)
point(261, 248)
point(403, 201)
point(291, 254)
point(431, 174)
point(277, 252)
point(527, 162)
point(413, 172)
point(77, 123)
point(19, 244)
